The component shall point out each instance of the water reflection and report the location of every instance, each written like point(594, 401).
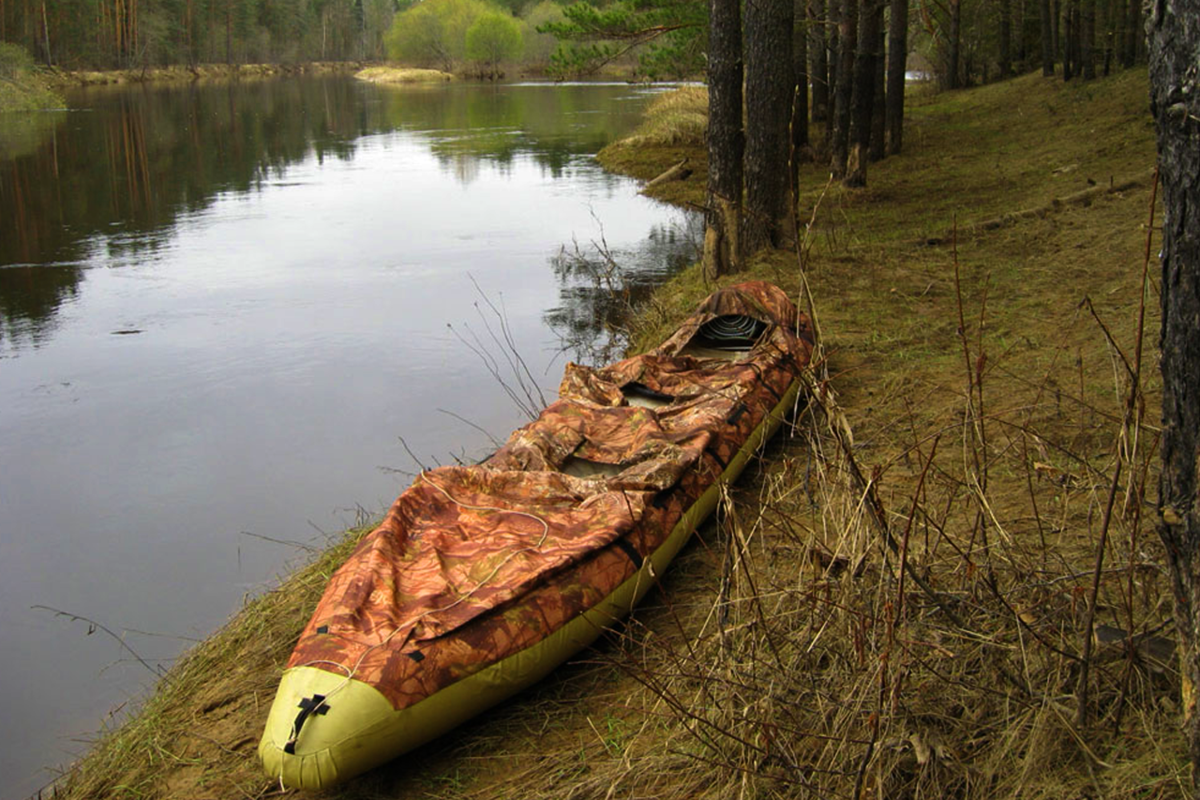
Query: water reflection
point(107, 184)
point(601, 285)
point(281, 261)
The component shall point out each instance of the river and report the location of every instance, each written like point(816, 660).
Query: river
point(235, 318)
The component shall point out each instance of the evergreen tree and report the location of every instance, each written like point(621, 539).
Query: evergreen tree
point(724, 138)
point(768, 104)
point(1174, 35)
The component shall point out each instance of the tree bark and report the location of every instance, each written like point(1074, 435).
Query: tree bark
point(953, 46)
point(864, 94)
point(768, 45)
point(722, 248)
point(1132, 31)
point(800, 79)
point(1174, 40)
point(1047, 40)
point(1005, 39)
point(897, 63)
point(1057, 19)
point(818, 63)
point(878, 79)
point(839, 144)
point(1087, 40)
point(1069, 43)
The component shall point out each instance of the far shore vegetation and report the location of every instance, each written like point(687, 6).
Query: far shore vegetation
point(977, 305)
point(21, 87)
point(402, 75)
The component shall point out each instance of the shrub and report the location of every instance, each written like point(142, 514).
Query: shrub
point(493, 38)
point(14, 60)
point(434, 32)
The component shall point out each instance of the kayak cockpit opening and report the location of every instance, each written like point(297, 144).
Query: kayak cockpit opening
point(639, 394)
point(578, 467)
point(729, 337)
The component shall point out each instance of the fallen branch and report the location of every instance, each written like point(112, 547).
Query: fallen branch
point(1081, 198)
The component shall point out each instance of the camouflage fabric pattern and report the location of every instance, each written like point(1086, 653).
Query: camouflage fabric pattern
point(474, 564)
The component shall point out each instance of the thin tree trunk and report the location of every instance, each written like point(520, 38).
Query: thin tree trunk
point(1057, 20)
point(1005, 38)
point(1110, 35)
point(1087, 40)
point(954, 46)
point(46, 31)
point(1132, 30)
point(839, 146)
point(1047, 39)
point(818, 62)
point(864, 95)
point(768, 44)
point(1174, 40)
point(1069, 44)
point(800, 77)
point(897, 64)
point(722, 249)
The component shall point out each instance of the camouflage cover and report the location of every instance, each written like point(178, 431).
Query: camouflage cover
point(473, 564)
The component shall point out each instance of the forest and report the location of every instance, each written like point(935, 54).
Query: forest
point(963, 42)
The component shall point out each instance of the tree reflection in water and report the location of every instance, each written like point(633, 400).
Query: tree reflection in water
point(601, 286)
point(106, 185)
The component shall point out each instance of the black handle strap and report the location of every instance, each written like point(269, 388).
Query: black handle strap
point(308, 706)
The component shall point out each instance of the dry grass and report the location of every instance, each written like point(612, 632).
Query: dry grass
point(674, 118)
point(893, 602)
point(402, 75)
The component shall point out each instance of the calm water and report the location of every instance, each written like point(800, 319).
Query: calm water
point(223, 308)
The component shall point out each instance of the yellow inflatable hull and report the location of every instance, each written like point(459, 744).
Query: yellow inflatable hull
point(368, 731)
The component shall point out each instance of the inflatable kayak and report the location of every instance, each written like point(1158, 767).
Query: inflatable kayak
point(481, 579)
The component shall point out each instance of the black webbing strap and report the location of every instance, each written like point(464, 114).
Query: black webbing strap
point(629, 550)
point(308, 706)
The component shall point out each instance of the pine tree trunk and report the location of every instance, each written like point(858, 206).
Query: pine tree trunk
point(834, 60)
point(768, 44)
point(818, 63)
point(1005, 39)
point(1110, 34)
point(897, 63)
point(839, 145)
point(879, 106)
point(1069, 45)
point(1174, 40)
point(1087, 40)
point(1022, 38)
point(864, 94)
point(722, 250)
point(800, 78)
point(1132, 31)
point(1057, 19)
point(1047, 40)
point(954, 46)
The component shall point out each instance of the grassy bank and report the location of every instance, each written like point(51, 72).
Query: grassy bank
point(23, 88)
point(65, 78)
point(393, 74)
point(978, 306)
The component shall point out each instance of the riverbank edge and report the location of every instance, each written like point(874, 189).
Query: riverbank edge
point(29, 91)
point(79, 78)
point(62, 79)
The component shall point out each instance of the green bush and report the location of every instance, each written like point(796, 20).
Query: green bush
point(492, 38)
point(14, 60)
point(433, 33)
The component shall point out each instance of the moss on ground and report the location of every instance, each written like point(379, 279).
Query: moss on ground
point(782, 644)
